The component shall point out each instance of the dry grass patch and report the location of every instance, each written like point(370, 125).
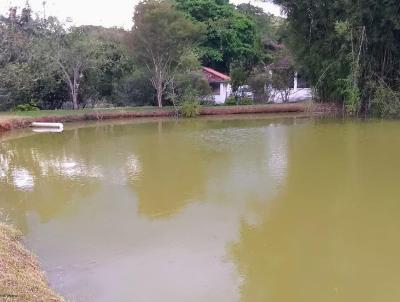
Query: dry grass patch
point(21, 279)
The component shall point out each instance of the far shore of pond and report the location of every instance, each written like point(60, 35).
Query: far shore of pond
point(17, 120)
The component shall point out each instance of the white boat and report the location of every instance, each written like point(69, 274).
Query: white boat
point(47, 127)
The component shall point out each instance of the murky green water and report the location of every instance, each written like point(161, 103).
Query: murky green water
point(211, 210)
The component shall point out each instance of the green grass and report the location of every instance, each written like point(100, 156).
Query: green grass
point(42, 113)
point(49, 113)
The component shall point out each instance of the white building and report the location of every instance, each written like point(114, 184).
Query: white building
point(219, 82)
point(297, 90)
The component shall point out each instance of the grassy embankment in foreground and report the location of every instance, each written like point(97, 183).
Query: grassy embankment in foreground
point(21, 279)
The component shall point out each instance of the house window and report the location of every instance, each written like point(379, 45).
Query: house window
point(215, 88)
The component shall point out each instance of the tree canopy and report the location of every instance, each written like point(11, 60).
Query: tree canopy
point(42, 63)
point(162, 37)
point(49, 65)
point(230, 35)
point(347, 48)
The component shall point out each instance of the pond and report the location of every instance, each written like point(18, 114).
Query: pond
point(212, 209)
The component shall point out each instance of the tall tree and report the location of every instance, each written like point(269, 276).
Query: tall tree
point(230, 35)
point(74, 53)
point(345, 45)
point(161, 36)
point(26, 73)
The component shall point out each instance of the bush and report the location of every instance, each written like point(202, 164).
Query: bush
point(192, 82)
point(245, 101)
point(385, 102)
point(134, 90)
point(231, 101)
point(207, 101)
point(26, 107)
point(189, 108)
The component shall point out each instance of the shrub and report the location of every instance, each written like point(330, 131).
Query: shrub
point(385, 102)
point(258, 81)
point(246, 101)
point(189, 108)
point(231, 101)
point(26, 107)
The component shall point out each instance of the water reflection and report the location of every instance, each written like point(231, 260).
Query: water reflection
point(22, 179)
point(118, 210)
point(332, 232)
point(173, 171)
point(40, 176)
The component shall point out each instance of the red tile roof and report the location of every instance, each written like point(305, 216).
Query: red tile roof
point(214, 76)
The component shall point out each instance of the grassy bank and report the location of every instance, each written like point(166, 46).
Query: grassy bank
point(15, 120)
point(21, 279)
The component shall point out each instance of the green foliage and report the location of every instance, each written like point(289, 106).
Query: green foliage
point(25, 70)
point(385, 102)
point(342, 28)
point(245, 101)
point(350, 94)
point(258, 81)
point(189, 106)
point(231, 101)
point(113, 65)
point(41, 59)
point(230, 35)
point(29, 69)
point(134, 90)
point(238, 75)
point(189, 80)
point(265, 22)
point(355, 41)
point(269, 31)
point(161, 37)
point(26, 107)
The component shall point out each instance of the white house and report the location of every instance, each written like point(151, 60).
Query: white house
point(219, 82)
point(298, 89)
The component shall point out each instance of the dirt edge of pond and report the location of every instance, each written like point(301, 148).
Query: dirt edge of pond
point(17, 122)
point(21, 279)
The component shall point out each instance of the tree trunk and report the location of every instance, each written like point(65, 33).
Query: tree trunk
point(159, 94)
point(75, 100)
point(75, 88)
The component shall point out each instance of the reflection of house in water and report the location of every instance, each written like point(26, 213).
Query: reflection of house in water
point(288, 84)
point(219, 82)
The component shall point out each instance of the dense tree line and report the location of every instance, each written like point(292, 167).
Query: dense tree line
point(46, 65)
point(350, 51)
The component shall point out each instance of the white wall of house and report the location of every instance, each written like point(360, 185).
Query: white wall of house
point(295, 94)
point(225, 90)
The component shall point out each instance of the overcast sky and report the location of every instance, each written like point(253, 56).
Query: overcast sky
point(104, 12)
